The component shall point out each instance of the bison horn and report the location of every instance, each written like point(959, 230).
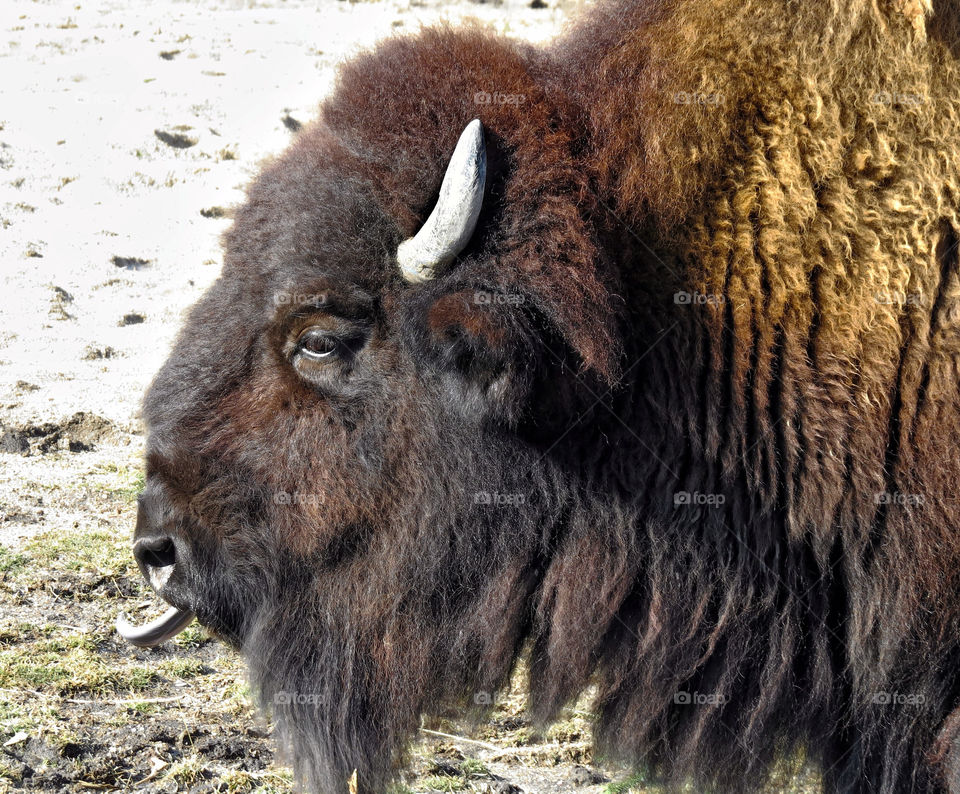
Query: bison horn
point(168, 625)
point(450, 226)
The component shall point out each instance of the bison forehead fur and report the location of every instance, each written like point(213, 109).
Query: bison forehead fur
point(683, 416)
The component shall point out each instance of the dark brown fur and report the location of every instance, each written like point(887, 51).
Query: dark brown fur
point(796, 163)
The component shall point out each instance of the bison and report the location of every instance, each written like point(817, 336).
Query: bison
point(636, 355)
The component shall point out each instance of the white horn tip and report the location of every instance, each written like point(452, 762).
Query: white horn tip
point(453, 220)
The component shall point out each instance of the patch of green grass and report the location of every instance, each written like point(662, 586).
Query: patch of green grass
point(11, 562)
point(17, 715)
point(8, 775)
point(238, 781)
point(20, 670)
point(273, 781)
point(182, 668)
point(128, 480)
point(519, 738)
point(136, 678)
point(145, 708)
point(441, 783)
point(63, 644)
point(96, 550)
point(193, 636)
point(571, 730)
point(471, 767)
point(188, 771)
point(19, 633)
point(635, 784)
point(63, 736)
point(237, 698)
point(68, 666)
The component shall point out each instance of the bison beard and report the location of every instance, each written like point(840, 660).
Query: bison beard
point(408, 626)
point(707, 327)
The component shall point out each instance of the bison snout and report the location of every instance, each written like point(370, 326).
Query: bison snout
point(159, 555)
point(157, 547)
point(154, 545)
point(156, 557)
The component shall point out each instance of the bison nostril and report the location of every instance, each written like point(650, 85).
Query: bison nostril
point(158, 552)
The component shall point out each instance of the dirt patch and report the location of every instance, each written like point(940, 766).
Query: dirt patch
point(179, 137)
point(94, 353)
point(135, 754)
point(130, 262)
point(82, 432)
point(132, 318)
point(214, 212)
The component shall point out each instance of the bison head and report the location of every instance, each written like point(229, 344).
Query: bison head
point(354, 468)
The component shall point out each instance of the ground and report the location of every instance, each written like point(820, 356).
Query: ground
point(127, 132)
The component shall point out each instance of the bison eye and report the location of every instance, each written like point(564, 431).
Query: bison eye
point(317, 344)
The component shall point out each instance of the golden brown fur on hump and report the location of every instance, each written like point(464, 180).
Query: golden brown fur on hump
point(798, 159)
point(671, 84)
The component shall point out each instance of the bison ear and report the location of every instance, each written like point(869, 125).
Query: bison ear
point(483, 345)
